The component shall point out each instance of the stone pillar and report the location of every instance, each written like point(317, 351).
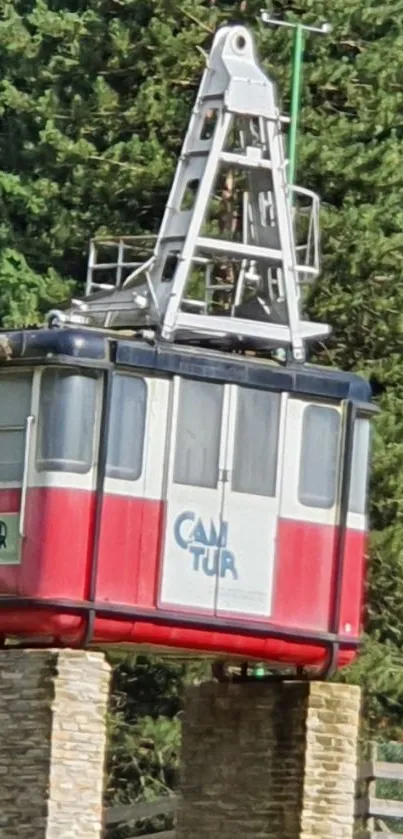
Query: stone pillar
point(52, 743)
point(263, 761)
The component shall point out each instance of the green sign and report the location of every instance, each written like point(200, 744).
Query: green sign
point(10, 553)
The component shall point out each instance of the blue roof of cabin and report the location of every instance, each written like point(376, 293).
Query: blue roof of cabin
point(102, 349)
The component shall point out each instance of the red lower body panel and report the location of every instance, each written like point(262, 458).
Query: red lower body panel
point(57, 561)
point(129, 551)
point(306, 573)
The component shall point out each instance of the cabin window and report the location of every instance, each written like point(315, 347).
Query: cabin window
point(126, 428)
point(15, 406)
point(359, 467)
point(319, 457)
point(198, 433)
point(256, 442)
point(66, 420)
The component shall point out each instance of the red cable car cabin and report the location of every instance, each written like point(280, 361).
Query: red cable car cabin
point(191, 498)
point(180, 498)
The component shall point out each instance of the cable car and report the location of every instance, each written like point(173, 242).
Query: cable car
point(174, 474)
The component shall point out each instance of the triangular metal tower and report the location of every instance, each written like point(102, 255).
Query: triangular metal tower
point(210, 278)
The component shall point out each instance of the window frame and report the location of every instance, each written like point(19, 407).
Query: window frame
point(362, 486)
point(14, 373)
point(272, 463)
point(63, 466)
point(116, 473)
point(184, 381)
point(305, 499)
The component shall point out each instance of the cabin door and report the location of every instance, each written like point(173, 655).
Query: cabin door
point(222, 499)
point(194, 529)
point(250, 503)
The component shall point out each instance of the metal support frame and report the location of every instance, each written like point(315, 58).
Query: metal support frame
point(235, 125)
point(113, 257)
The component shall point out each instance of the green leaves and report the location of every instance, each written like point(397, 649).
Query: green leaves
point(25, 296)
point(144, 728)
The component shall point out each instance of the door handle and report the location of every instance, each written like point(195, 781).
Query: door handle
point(25, 475)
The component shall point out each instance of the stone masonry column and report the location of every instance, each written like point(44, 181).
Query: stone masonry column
point(269, 761)
point(52, 743)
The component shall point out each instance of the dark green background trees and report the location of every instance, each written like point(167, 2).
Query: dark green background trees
point(94, 100)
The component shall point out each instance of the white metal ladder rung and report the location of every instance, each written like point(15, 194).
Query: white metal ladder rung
point(103, 266)
point(218, 324)
point(238, 249)
point(246, 162)
point(192, 301)
point(103, 286)
point(202, 260)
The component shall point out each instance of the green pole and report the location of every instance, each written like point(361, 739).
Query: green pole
point(298, 52)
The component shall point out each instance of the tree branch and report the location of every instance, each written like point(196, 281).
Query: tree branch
point(198, 22)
